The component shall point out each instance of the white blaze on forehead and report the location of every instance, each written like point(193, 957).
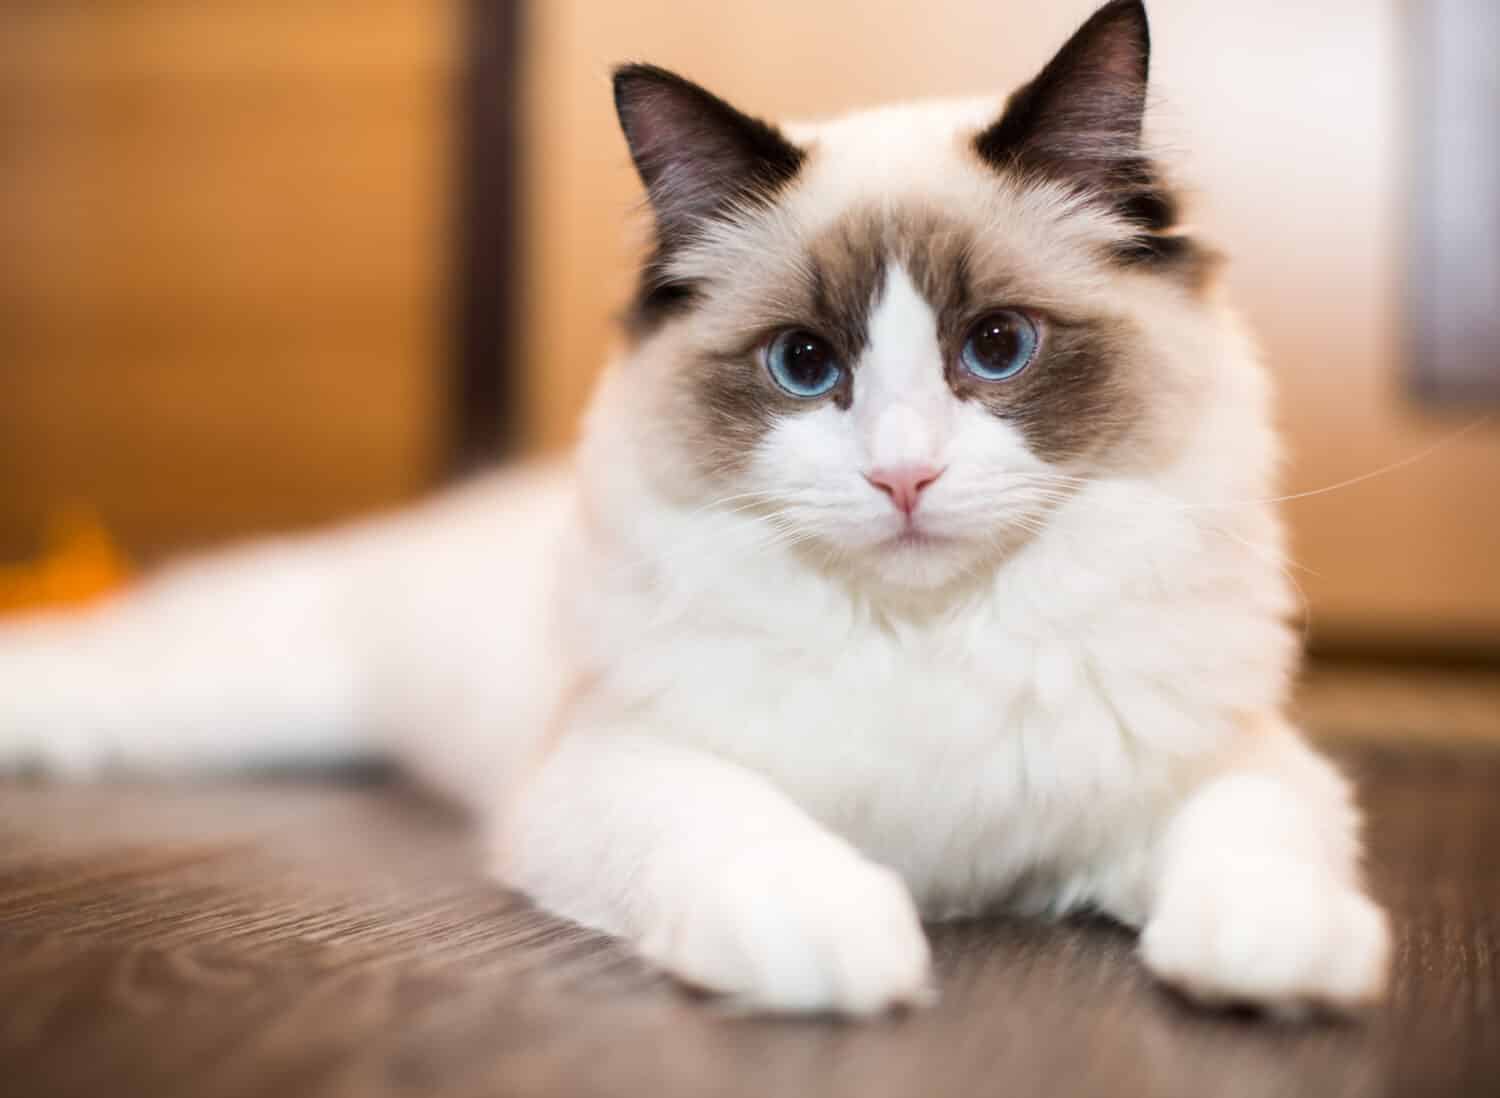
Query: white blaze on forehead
point(912, 149)
point(903, 408)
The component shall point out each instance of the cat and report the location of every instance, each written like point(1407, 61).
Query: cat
point(916, 561)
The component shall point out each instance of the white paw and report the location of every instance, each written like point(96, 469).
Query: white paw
point(1269, 934)
point(793, 929)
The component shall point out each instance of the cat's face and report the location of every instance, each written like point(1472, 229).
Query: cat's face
point(903, 338)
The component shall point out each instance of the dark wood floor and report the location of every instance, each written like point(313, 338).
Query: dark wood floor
point(304, 938)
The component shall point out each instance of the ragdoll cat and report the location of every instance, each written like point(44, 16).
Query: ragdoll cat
point(916, 560)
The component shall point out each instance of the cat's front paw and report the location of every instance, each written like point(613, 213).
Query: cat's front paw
point(1268, 934)
point(793, 929)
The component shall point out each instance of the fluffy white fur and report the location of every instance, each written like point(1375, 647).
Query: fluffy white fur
point(758, 746)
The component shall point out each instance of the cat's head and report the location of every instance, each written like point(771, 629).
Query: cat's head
point(902, 338)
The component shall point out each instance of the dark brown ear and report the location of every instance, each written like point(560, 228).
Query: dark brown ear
point(698, 157)
point(1080, 120)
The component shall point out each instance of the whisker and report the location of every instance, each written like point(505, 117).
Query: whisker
point(1277, 560)
point(1384, 470)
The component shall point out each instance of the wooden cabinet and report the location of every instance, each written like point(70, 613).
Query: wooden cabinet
point(223, 249)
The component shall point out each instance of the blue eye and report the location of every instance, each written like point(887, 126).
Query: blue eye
point(803, 364)
point(1001, 345)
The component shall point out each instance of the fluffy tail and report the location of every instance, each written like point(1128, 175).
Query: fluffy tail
point(228, 661)
point(429, 636)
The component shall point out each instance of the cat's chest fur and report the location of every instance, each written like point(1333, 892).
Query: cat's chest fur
point(967, 777)
point(1016, 750)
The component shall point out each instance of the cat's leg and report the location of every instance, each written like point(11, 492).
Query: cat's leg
point(714, 875)
point(1257, 895)
point(224, 661)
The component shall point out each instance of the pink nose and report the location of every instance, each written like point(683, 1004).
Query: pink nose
point(904, 483)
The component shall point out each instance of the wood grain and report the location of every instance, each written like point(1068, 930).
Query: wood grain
point(332, 939)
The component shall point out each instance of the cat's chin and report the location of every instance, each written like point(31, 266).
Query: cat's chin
point(913, 539)
point(920, 561)
point(924, 562)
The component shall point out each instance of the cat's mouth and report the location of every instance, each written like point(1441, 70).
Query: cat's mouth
point(913, 537)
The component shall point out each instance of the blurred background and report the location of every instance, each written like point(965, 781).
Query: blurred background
point(266, 264)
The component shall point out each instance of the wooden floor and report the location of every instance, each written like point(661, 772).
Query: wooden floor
point(339, 938)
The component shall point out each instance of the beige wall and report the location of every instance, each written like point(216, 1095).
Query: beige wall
point(1290, 117)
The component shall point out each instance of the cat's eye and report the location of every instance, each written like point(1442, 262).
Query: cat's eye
point(803, 364)
point(1001, 345)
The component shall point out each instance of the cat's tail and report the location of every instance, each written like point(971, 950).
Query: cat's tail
point(225, 661)
point(407, 636)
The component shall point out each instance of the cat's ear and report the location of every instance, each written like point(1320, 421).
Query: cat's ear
point(698, 156)
point(1080, 120)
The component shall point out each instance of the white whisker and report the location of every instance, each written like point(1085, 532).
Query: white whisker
point(1395, 466)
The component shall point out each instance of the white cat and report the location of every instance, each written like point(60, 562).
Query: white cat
point(915, 559)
